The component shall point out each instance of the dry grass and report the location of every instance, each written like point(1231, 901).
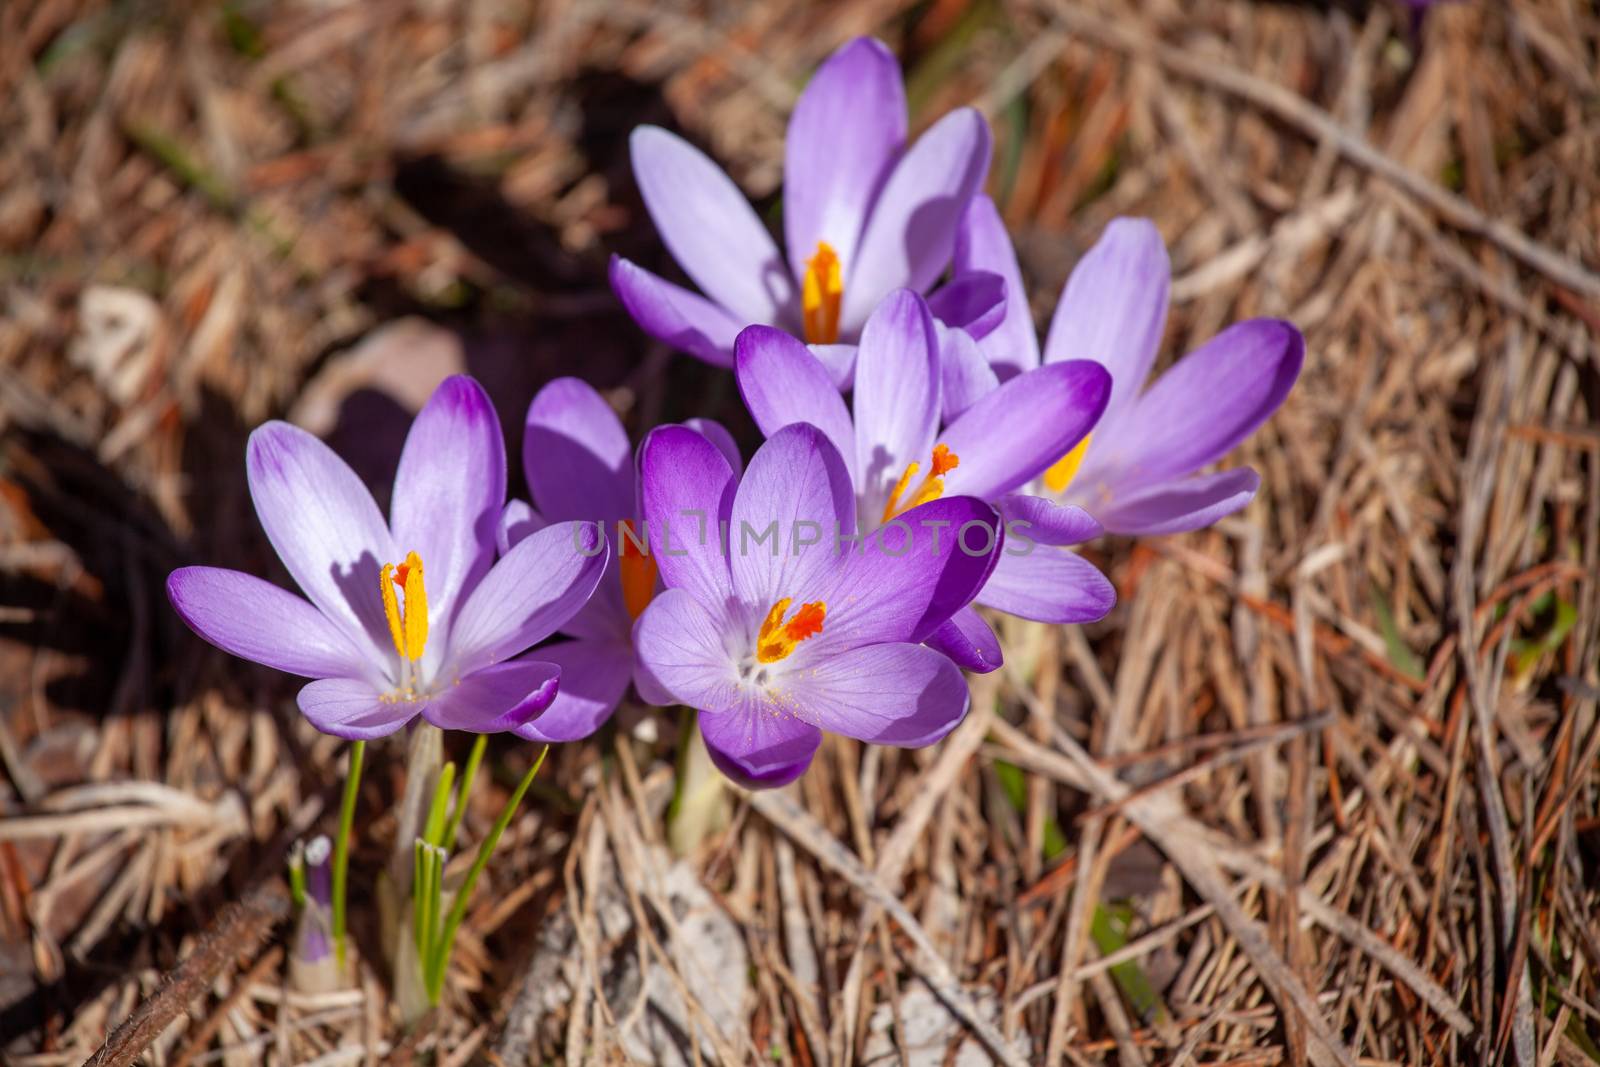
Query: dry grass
point(1322, 789)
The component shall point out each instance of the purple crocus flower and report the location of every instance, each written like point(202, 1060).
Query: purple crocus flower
point(897, 456)
point(863, 214)
point(775, 627)
point(1137, 473)
point(580, 467)
point(383, 644)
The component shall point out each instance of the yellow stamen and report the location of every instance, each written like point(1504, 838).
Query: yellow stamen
point(1063, 470)
point(932, 487)
point(778, 638)
point(638, 575)
point(821, 292)
point(410, 629)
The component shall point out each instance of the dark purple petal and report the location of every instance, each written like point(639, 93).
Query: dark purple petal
point(594, 675)
point(326, 529)
point(783, 383)
point(709, 226)
point(449, 492)
point(576, 455)
point(1010, 436)
point(672, 314)
point(912, 231)
point(498, 698)
point(891, 694)
point(255, 620)
point(1181, 505)
point(982, 244)
point(1049, 584)
point(718, 435)
point(967, 376)
point(969, 642)
point(352, 709)
point(530, 594)
point(758, 745)
point(974, 301)
point(896, 397)
point(846, 130)
point(1114, 307)
point(687, 489)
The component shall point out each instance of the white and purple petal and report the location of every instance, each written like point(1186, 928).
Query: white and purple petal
point(687, 488)
point(576, 455)
point(352, 709)
point(1181, 505)
point(497, 698)
point(675, 316)
point(889, 694)
point(1049, 584)
point(982, 244)
point(783, 383)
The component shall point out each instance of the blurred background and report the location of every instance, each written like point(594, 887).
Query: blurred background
point(1357, 720)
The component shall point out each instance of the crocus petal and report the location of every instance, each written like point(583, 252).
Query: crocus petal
point(326, 529)
point(529, 594)
point(501, 697)
point(783, 383)
point(974, 301)
point(1011, 435)
point(672, 314)
point(758, 745)
point(594, 675)
point(1114, 307)
point(911, 233)
point(257, 621)
point(1181, 505)
point(840, 361)
point(967, 375)
point(896, 396)
point(844, 134)
point(449, 492)
point(890, 694)
point(709, 226)
point(687, 489)
point(982, 244)
point(517, 521)
point(352, 709)
point(796, 496)
point(969, 642)
point(1208, 402)
point(1049, 584)
point(576, 455)
point(1045, 522)
point(718, 434)
point(604, 617)
point(680, 641)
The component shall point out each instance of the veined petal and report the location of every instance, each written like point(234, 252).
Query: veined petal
point(968, 641)
point(352, 709)
point(683, 645)
point(672, 314)
point(326, 529)
point(594, 675)
point(717, 434)
point(497, 698)
point(1114, 307)
point(709, 226)
point(449, 492)
point(783, 383)
point(528, 595)
point(910, 236)
point(687, 489)
point(896, 397)
point(967, 376)
point(758, 745)
point(257, 621)
point(1180, 505)
point(890, 694)
point(576, 455)
point(1049, 584)
point(844, 134)
point(982, 244)
point(1012, 434)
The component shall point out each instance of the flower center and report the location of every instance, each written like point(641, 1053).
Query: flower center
point(638, 572)
point(408, 625)
point(931, 487)
point(1063, 470)
point(778, 638)
point(820, 294)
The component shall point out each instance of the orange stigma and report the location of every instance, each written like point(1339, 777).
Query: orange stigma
point(778, 638)
point(932, 487)
point(821, 292)
point(410, 628)
point(1063, 470)
point(638, 571)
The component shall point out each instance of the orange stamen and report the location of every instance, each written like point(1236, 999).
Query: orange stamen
point(777, 638)
point(408, 628)
point(932, 487)
point(638, 572)
point(821, 292)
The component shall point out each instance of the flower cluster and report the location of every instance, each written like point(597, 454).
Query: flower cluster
point(832, 584)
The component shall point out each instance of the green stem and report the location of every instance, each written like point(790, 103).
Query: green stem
point(700, 798)
point(434, 967)
point(341, 845)
point(464, 790)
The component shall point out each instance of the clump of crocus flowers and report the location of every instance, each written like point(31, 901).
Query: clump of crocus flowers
point(831, 586)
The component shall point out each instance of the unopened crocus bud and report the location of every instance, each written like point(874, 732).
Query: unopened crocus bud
point(314, 968)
